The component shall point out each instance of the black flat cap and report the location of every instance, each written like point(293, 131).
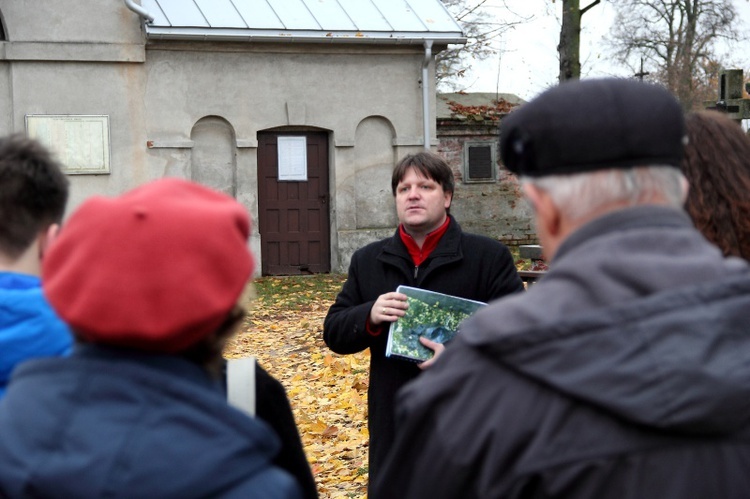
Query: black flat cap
point(593, 124)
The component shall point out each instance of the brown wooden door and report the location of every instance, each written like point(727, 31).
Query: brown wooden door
point(293, 215)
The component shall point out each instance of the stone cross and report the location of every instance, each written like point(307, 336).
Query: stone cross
point(641, 73)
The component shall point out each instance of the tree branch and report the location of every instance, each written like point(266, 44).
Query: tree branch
point(585, 9)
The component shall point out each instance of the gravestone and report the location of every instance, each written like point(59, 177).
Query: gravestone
point(730, 100)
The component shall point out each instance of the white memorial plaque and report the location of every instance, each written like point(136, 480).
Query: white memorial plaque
point(80, 142)
point(292, 159)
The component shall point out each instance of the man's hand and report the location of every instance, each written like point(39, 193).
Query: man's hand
point(436, 347)
point(388, 308)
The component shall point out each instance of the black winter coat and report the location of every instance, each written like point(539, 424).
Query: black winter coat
point(466, 265)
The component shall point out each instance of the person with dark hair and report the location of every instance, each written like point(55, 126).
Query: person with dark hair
point(425, 165)
point(33, 195)
point(623, 372)
point(717, 167)
point(430, 251)
point(151, 283)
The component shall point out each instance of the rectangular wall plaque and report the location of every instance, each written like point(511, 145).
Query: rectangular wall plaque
point(292, 158)
point(80, 142)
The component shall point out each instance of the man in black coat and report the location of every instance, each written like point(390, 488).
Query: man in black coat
point(624, 371)
point(430, 251)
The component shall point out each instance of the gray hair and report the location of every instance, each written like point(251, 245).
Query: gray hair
point(582, 194)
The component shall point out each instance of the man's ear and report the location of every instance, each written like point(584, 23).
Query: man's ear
point(47, 237)
point(685, 188)
point(448, 200)
point(547, 213)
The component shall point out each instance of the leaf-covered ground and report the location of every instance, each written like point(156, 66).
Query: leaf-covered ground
point(328, 392)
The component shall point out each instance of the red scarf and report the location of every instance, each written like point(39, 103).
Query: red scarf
point(419, 255)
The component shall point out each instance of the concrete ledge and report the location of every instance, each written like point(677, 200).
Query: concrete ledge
point(413, 141)
point(169, 144)
point(350, 241)
point(247, 143)
point(188, 144)
point(72, 52)
point(530, 251)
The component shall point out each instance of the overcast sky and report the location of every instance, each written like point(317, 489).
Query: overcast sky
point(527, 61)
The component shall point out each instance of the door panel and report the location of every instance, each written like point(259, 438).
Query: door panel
point(293, 216)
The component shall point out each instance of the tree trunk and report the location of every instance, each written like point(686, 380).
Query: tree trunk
point(570, 41)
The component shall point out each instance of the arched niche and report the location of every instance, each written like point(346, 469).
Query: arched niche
point(374, 153)
point(213, 159)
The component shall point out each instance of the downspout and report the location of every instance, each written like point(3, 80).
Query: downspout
point(426, 92)
point(139, 10)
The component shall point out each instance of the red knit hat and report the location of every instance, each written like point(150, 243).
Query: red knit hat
point(157, 268)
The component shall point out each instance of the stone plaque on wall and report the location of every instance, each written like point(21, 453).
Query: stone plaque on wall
point(80, 142)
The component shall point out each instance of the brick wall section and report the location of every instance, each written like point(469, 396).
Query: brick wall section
point(494, 209)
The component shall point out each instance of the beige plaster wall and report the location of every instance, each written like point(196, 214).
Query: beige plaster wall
point(344, 90)
point(92, 57)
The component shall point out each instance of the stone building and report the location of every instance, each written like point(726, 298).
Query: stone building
point(297, 108)
point(487, 199)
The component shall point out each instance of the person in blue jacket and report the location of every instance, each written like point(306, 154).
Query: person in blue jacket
point(33, 194)
point(151, 283)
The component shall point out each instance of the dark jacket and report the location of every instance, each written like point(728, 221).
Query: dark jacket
point(107, 422)
point(622, 373)
point(272, 406)
point(462, 264)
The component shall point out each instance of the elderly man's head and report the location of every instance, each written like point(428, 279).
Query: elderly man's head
point(586, 148)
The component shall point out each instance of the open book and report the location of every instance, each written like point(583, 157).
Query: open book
point(436, 316)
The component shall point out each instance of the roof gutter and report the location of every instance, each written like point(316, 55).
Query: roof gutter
point(139, 10)
point(426, 92)
point(298, 36)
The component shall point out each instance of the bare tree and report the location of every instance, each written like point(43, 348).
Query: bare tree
point(677, 39)
point(569, 48)
point(481, 29)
